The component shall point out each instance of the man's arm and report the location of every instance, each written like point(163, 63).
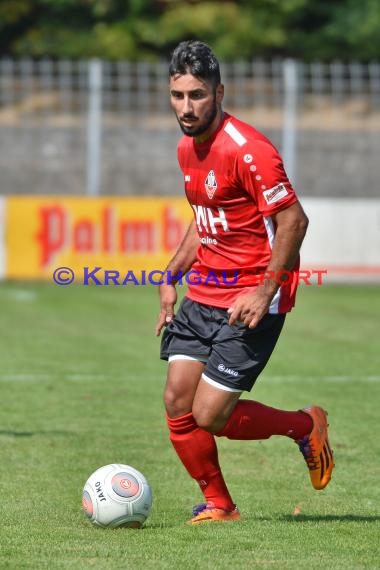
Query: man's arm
point(182, 261)
point(291, 226)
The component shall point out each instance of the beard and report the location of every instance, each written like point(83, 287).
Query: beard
point(202, 128)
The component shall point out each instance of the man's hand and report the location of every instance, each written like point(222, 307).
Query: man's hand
point(168, 298)
point(250, 308)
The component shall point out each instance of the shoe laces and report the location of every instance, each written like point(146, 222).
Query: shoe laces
point(210, 506)
point(199, 509)
point(308, 452)
point(203, 507)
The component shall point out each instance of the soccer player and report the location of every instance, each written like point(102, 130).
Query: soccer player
point(238, 251)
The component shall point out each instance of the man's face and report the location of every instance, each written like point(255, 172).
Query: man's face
point(196, 104)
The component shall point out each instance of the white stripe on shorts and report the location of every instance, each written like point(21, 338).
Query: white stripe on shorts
point(174, 357)
point(218, 385)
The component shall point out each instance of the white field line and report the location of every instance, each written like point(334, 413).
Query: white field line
point(44, 377)
point(88, 377)
point(344, 378)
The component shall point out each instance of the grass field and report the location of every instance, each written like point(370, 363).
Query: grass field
point(81, 387)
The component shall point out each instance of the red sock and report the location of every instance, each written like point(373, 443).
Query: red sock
point(252, 420)
point(197, 450)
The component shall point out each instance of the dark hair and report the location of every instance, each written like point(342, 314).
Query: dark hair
point(196, 58)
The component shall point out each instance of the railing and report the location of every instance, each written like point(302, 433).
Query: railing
point(102, 127)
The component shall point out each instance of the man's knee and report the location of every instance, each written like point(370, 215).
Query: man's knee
point(177, 401)
point(209, 420)
point(212, 407)
point(176, 404)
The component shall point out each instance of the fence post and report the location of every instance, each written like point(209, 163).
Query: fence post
point(94, 127)
point(290, 79)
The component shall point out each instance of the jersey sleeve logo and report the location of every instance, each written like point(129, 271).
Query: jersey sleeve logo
point(211, 184)
point(275, 194)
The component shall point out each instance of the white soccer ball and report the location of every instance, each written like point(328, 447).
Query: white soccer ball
point(117, 495)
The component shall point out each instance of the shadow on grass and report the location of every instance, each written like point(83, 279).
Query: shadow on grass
point(56, 433)
point(348, 518)
point(331, 518)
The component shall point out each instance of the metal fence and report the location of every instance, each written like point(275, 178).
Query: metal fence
point(73, 128)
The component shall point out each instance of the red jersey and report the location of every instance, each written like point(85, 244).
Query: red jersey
point(234, 182)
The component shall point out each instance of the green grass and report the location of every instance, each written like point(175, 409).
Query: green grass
point(81, 386)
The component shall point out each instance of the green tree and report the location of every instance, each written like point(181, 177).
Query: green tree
point(73, 28)
point(149, 29)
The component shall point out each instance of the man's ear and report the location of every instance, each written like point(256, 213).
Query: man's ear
point(219, 93)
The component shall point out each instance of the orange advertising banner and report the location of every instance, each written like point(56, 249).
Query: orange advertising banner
point(114, 234)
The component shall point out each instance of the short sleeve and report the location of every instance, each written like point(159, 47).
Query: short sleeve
point(261, 173)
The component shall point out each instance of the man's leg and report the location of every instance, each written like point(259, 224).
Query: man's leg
point(195, 447)
point(237, 358)
point(245, 419)
point(252, 420)
point(307, 427)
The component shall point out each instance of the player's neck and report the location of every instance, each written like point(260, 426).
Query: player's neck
point(213, 127)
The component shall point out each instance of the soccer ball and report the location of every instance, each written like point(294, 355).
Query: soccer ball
point(117, 495)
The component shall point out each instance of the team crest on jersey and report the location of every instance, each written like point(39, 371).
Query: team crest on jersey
point(211, 184)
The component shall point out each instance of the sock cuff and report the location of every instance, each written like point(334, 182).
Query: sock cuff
point(182, 424)
point(231, 422)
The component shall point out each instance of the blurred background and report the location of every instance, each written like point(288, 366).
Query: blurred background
point(84, 115)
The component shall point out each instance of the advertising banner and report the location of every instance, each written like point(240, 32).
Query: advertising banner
point(113, 234)
point(123, 240)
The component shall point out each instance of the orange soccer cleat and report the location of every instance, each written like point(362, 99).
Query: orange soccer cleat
point(316, 449)
point(207, 512)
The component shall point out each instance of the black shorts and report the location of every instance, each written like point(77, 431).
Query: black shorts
point(234, 356)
